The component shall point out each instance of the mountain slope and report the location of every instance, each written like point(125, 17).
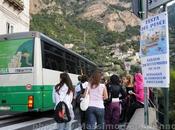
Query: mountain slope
point(102, 30)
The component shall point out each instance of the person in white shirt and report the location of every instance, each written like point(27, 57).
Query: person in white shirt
point(64, 92)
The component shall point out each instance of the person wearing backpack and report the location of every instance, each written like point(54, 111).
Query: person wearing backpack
point(79, 90)
point(62, 97)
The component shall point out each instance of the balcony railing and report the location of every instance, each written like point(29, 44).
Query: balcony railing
point(17, 4)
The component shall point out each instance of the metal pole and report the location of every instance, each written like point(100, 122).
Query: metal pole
point(166, 95)
point(166, 107)
point(144, 9)
point(146, 115)
point(144, 15)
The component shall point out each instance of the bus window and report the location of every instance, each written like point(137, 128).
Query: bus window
point(82, 67)
point(71, 66)
point(52, 57)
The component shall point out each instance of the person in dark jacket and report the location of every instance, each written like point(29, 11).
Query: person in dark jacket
point(113, 109)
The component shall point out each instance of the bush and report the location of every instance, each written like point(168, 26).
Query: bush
point(172, 95)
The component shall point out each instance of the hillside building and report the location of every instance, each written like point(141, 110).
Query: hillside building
point(14, 16)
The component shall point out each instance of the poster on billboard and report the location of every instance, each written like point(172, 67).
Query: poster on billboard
point(154, 50)
point(16, 56)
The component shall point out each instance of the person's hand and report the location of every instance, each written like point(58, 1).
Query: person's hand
point(131, 92)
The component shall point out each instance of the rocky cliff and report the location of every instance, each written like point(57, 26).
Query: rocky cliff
point(94, 27)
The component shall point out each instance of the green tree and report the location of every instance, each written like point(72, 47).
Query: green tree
point(172, 96)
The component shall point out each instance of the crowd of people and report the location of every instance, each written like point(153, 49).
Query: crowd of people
point(111, 101)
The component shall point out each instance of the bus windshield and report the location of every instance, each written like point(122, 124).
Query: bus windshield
point(15, 54)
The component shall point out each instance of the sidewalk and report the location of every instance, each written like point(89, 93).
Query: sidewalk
point(137, 121)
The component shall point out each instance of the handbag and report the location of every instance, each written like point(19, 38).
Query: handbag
point(84, 104)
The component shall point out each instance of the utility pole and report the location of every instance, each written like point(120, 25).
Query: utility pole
point(144, 15)
point(166, 94)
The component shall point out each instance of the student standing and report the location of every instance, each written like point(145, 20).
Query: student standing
point(63, 91)
point(97, 94)
point(138, 93)
point(112, 114)
point(79, 90)
point(130, 99)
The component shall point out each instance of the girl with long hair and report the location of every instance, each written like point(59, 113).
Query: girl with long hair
point(113, 109)
point(97, 93)
point(130, 99)
point(138, 93)
point(63, 91)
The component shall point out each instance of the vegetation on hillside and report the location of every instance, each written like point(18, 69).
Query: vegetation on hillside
point(172, 97)
point(90, 38)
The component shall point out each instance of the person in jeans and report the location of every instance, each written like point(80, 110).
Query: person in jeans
point(63, 91)
point(97, 94)
point(113, 109)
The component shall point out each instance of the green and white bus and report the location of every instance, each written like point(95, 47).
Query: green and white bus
point(30, 65)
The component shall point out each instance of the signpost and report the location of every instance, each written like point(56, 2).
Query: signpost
point(156, 3)
point(154, 50)
point(156, 61)
point(138, 7)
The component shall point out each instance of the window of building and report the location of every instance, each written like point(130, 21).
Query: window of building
point(9, 28)
point(12, 28)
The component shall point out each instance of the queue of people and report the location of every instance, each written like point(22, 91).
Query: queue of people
point(110, 102)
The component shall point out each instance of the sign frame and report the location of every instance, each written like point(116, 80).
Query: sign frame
point(154, 51)
point(152, 4)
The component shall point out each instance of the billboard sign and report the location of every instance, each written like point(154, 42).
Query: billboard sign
point(16, 56)
point(154, 51)
point(156, 3)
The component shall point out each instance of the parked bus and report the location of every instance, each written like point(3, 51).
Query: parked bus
point(30, 65)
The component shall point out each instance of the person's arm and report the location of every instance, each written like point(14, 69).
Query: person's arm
point(123, 93)
point(139, 94)
point(105, 93)
point(85, 92)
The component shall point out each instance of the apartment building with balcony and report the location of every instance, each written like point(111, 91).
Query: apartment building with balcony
point(14, 16)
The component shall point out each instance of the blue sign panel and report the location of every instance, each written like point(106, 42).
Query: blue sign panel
point(154, 51)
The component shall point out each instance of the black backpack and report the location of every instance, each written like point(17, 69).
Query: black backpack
point(79, 95)
point(62, 113)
